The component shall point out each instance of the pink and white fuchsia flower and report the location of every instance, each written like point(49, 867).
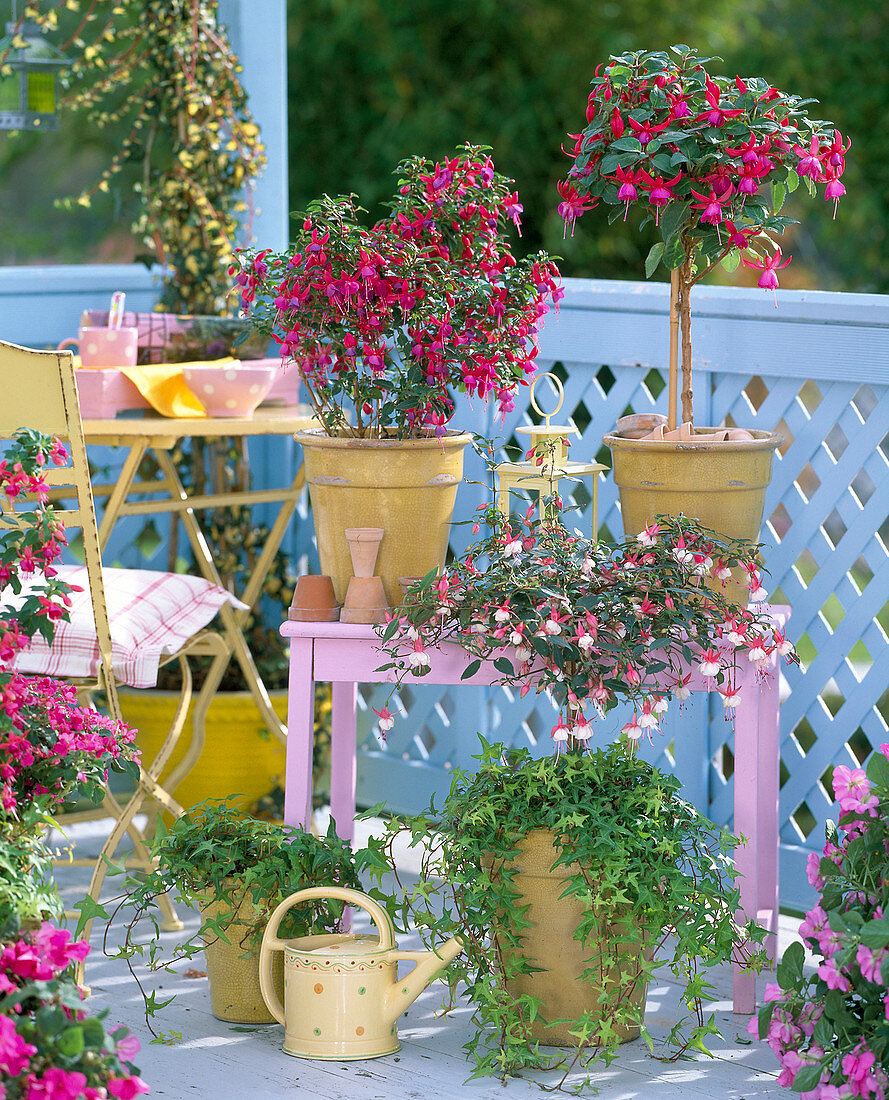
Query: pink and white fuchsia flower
point(710, 664)
point(591, 624)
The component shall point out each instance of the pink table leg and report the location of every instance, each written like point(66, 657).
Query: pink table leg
point(300, 734)
point(343, 757)
point(756, 815)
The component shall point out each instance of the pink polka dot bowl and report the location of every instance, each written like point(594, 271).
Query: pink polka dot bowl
point(230, 391)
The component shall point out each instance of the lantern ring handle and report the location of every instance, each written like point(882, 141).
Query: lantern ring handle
point(557, 385)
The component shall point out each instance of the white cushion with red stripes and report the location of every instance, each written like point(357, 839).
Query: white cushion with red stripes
point(151, 615)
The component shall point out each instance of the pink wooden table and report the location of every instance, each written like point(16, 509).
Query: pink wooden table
point(347, 655)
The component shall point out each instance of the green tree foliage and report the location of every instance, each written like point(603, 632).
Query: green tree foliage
point(372, 82)
point(838, 53)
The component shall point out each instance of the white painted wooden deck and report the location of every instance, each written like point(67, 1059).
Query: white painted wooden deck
point(228, 1062)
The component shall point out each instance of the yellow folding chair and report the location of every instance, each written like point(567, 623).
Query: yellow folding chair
point(40, 392)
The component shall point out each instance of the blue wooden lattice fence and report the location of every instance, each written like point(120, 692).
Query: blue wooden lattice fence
point(817, 368)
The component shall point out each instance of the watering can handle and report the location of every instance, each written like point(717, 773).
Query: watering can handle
point(270, 941)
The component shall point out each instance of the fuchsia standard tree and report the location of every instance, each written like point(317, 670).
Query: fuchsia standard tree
point(385, 322)
point(710, 160)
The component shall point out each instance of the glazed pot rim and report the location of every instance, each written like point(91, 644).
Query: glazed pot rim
point(318, 437)
point(762, 441)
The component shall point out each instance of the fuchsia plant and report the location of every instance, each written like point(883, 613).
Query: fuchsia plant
point(385, 322)
point(589, 623)
point(708, 158)
point(829, 1026)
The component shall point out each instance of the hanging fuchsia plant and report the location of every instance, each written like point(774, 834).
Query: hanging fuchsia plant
point(385, 323)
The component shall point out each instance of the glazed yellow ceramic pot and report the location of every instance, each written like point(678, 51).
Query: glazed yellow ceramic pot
point(721, 484)
point(548, 942)
point(233, 967)
point(240, 756)
point(407, 487)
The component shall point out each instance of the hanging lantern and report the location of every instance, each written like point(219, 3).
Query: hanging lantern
point(544, 479)
point(29, 78)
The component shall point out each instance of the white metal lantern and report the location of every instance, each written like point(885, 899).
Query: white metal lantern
point(540, 479)
point(29, 78)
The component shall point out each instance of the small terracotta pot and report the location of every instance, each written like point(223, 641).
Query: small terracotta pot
point(365, 601)
point(406, 583)
point(364, 545)
point(314, 601)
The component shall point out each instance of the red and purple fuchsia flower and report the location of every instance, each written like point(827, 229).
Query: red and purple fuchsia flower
point(663, 135)
point(827, 1023)
point(386, 323)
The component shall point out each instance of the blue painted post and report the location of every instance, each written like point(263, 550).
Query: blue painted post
point(258, 34)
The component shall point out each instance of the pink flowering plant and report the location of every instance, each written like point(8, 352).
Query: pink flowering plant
point(50, 1049)
point(709, 159)
point(591, 623)
point(50, 744)
point(828, 1024)
point(386, 323)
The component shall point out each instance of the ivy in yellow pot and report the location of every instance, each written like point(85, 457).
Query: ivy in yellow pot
point(571, 881)
point(235, 870)
point(384, 324)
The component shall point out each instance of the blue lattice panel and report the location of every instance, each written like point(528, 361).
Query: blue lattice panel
point(817, 371)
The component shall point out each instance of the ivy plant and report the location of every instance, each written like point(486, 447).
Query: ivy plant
point(214, 853)
point(630, 848)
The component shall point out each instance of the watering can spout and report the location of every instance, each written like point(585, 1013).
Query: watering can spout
point(429, 965)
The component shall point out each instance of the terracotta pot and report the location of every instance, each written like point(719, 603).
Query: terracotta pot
point(721, 484)
point(364, 546)
point(406, 583)
point(549, 943)
point(408, 487)
point(365, 601)
point(233, 968)
point(314, 600)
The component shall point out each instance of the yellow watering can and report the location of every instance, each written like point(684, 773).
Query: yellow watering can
point(342, 990)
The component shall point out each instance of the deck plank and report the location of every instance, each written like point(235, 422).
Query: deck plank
point(226, 1062)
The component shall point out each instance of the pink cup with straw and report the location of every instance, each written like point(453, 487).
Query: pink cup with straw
point(114, 346)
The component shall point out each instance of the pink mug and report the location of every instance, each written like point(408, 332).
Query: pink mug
point(105, 347)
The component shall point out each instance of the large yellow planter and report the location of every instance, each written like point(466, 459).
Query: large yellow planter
point(722, 485)
point(240, 756)
point(548, 942)
point(406, 486)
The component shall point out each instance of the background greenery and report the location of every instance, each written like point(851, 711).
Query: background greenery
point(373, 81)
